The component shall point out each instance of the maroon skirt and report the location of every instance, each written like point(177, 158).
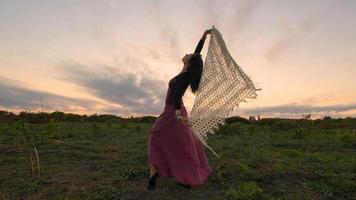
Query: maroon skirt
point(175, 151)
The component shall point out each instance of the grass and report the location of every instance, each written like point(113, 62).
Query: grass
point(275, 159)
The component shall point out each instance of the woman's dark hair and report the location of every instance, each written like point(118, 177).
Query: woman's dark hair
point(195, 70)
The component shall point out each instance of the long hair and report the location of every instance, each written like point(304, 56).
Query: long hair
point(195, 69)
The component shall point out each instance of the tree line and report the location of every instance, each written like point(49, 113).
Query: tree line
point(46, 117)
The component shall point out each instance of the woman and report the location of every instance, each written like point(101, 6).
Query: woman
point(173, 149)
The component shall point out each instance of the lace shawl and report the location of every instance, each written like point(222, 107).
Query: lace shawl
point(222, 87)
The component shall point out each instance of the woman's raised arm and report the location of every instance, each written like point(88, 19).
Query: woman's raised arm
point(201, 42)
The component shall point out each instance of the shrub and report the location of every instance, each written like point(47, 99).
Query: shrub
point(248, 190)
point(236, 119)
point(346, 139)
point(300, 133)
point(51, 130)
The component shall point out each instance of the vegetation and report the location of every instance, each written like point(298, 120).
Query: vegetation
point(105, 157)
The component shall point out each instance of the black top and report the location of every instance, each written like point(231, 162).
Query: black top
point(199, 46)
point(182, 81)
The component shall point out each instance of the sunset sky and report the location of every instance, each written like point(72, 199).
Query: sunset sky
point(117, 56)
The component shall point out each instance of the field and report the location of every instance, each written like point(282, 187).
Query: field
point(265, 159)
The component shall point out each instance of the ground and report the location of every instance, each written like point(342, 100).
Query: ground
point(267, 159)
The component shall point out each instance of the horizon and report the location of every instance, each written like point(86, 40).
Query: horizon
point(116, 57)
point(132, 116)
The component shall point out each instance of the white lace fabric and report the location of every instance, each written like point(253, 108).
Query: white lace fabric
point(222, 87)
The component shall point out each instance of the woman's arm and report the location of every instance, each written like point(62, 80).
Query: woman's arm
point(200, 45)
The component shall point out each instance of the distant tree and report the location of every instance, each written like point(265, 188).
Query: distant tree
point(148, 119)
point(57, 115)
point(6, 116)
point(306, 116)
point(327, 118)
point(230, 120)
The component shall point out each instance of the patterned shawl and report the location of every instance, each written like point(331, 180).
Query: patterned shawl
point(223, 86)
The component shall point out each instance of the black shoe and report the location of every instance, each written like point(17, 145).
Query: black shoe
point(184, 185)
point(152, 181)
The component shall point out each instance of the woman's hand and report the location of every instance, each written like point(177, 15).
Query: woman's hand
point(208, 31)
point(184, 120)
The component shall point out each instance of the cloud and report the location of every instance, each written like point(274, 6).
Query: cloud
point(292, 34)
point(241, 18)
point(14, 95)
point(231, 16)
point(295, 110)
point(134, 92)
point(168, 33)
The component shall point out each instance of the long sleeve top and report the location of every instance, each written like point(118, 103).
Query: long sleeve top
point(182, 81)
point(200, 45)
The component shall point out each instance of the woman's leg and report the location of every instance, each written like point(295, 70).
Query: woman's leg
point(153, 169)
point(153, 176)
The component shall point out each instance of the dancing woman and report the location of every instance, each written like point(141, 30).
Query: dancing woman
point(173, 149)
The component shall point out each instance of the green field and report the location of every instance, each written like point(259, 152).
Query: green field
point(265, 159)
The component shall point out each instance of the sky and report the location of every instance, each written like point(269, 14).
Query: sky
point(117, 56)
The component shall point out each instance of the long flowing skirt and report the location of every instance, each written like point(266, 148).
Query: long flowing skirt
point(175, 151)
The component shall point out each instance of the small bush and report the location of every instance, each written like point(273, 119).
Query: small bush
point(237, 119)
point(235, 128)
point(300, 133)
point(231, 194)
point(346, 139)
point(248, 190)
point(95, 129)
point(52, 129)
